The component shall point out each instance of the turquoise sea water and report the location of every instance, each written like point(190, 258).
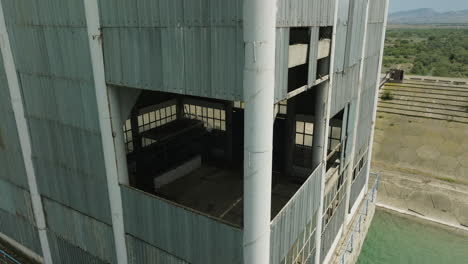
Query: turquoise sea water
point(394, 239)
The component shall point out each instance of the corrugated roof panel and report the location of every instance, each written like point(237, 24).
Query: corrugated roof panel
point(179, 231)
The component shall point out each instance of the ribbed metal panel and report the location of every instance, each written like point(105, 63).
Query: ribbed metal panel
point(358, 185)
point(281, 67)
point(50, 12)
point(142, 252)
point(331, 229)
point(313, 54)
point(202, 61)
point(83, 231)
point(357, 22)
point(341, 35)
point(21, 230)
point(11, 159)
point(16, 201)
point(169, 13)
point(51, 53)
point(290, 226)
point(65, 252)
point(184, 47)
point(301, 13)
point(179, 231)
point(377, 11)
point(344, 88)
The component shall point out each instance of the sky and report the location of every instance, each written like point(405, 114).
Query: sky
point(439, 5)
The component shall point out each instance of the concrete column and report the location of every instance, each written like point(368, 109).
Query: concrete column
point(228, 110)
point(290, 140)
point(356, 120)
point(97, 63)
point(320, 125)
point(117, 133)
point(327, 110)
point(376, 98)
point(259, 80)
point(24, 137)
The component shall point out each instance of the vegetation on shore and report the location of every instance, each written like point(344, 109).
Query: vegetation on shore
point(431, 52)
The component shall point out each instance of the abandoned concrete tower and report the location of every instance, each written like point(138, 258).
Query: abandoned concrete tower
point(187, 131)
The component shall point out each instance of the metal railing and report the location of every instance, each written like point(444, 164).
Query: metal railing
point(5, 258)
point(356, 229)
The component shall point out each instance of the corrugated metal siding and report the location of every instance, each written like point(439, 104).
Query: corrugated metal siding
point(341, 35)
point(331, 230)
point(358, 185)
point(301, 13)
point(313, 54)
point(357, 23)
point(83, 231)
point(345, 85)
point(16, 201)
point(11, 159)
point(141, 252)
point(51, 52)
point(21, 230)
point(184, 47)
point(178, 231)
point(65, 252)
point(289, 225)
point(370, 74)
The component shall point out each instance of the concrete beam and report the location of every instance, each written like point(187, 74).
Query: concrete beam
point(324, 46)
point(297, 55)
point(110, 160)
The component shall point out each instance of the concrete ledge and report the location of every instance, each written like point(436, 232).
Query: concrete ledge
point(323, 48)
point(297, 55)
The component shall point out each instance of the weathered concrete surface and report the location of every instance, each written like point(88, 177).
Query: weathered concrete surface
point(430, 198)
point(433, 148)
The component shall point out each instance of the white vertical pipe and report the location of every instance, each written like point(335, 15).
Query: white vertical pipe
point(117, 133)
point(24, 138)
point(97, 60)
point(259, 80)
point(356, 114)
point(376, 98)
point(328, 93)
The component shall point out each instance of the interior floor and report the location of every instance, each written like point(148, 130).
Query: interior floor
point(219, 193)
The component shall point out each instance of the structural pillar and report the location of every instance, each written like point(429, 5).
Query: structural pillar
point(290, 140)
point(320, 125)
point(259, 79)
point(117, 133)
point(97, 63)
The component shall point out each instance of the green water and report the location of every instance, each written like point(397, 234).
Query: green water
point(393, 238)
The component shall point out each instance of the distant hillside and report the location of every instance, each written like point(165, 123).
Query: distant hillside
point(428, 16)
